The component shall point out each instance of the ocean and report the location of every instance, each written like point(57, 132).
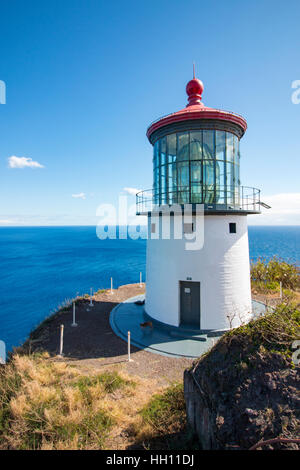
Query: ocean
point(41, 267)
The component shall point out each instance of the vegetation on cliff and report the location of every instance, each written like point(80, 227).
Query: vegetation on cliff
point(250, 382)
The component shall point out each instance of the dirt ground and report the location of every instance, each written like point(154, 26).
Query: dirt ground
point(94, 345)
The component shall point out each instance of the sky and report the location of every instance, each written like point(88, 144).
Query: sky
point(85, 78)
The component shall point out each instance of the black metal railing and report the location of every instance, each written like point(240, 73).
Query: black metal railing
point(215, 199)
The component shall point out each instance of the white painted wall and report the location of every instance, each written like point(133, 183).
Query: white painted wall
point(221, 266)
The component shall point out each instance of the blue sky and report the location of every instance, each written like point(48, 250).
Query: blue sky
point(85, 78)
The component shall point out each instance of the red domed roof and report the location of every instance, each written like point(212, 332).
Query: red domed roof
point(195, 109)
point(194, 90)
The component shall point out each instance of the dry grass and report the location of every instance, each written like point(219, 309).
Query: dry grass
point(50, 405)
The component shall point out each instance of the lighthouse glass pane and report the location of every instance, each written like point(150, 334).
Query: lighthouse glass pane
point(155, 154)
point(163, 184)
point(183, 148)
point(183, 182)
point(229, 147)
point(235, 149)
point(196, 172)
point(208, 144)
point(220, 145)
point(196, 145)
point(196, 185)
point(230, 186)
point(156, 185)
point(237, 174)
point(220, 183)
point(208, 181)
point(172, 187)
point(163, 151)
point(171, 146)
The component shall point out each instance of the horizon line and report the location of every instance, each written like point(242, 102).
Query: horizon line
point(118, 225)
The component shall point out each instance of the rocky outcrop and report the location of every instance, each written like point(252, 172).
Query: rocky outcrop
point(240, 393)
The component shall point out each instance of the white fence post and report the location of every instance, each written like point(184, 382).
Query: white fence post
point(141, 279)
point(111, 285)
point(2, 352)
point(74, 315)
point(129, 358)
point(61, 343)
point(91, 295)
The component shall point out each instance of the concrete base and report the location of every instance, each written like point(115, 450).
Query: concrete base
point(161, 339)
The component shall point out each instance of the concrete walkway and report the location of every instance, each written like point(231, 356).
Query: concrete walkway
point(128, 316)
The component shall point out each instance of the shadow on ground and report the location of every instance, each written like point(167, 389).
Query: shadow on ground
point(92, 338)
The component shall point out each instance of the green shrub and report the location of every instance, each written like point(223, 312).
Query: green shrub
point(110, 382)
point(166, 411)
point(274, 271)
point(275, 331)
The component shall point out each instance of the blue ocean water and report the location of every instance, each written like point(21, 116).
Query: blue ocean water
point(40, 267)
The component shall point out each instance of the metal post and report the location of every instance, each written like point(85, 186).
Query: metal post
point(140, 279)
point(129, 358)
point(74, 316)
point(242, 197)
point(61, 343)
point(111, 285)
point(91, 299)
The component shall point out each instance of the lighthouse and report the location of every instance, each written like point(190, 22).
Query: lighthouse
point(196, 168)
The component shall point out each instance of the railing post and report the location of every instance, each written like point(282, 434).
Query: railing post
point(242, 197)
point(61, 343)
point(74, 316)
point(91, 297)
point(129, 357)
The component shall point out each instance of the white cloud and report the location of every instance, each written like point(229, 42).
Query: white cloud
point(23, 162)
point(6, 221)
point(79, 196)
point(131, 191)
point(285, 210)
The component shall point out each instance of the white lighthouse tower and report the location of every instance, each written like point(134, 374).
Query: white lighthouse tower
point(196, 160)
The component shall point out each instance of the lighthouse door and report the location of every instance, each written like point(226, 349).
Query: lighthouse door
point(190, 304)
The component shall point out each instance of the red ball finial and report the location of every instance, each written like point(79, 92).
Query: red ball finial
point(194, 91)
